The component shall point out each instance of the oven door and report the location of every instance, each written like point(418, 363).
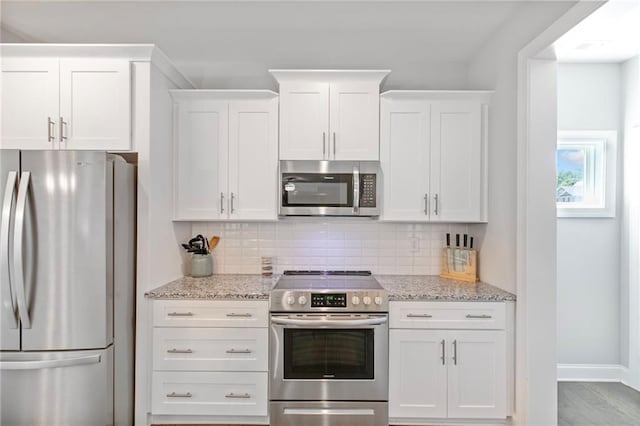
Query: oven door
point(318, 188)
point(337, 357)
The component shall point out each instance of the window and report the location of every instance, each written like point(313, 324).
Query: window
point(586, 172)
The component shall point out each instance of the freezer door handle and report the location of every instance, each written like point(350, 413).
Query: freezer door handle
point(8, 294)
point(52, 363)
point(18, 266)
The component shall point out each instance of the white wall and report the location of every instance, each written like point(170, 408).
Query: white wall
point(630, 294)
point(589, 98)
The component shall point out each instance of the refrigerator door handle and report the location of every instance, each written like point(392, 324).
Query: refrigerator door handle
point(18, 266)
point(52, 363)
point(8, 293)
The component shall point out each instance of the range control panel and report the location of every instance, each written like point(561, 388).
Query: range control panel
point(328, 300)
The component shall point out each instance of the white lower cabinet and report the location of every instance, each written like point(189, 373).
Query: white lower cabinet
point(210, 393)
point(210, 359)
point(453, 370)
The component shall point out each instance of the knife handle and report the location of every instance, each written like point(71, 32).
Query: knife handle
point(448, 240)
point(464, 240)
point(471, 243)
point(457, 240)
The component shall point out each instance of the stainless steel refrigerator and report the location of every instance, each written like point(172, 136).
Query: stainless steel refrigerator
point(67, 278)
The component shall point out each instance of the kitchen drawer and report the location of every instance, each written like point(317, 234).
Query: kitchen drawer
point(207, 313)
point(200, 393)
point(218, 349)
point(447, 315)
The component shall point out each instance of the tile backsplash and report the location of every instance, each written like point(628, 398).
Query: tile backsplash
point(315, 243)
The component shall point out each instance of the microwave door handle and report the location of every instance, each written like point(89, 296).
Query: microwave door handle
point(356, 191)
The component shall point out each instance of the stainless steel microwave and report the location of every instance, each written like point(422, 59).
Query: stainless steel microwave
point(329, 188)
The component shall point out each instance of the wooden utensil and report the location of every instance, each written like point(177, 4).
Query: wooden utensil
point(213, 242)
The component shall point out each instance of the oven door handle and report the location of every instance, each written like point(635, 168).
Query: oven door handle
point(330, 322)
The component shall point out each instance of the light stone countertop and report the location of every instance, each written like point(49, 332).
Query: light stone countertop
point(399, 287)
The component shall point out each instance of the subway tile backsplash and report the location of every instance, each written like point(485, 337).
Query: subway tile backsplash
point(314, 243)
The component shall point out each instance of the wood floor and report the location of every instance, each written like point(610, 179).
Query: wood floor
point(585, 404)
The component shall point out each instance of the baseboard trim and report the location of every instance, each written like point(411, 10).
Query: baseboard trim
point(591, 373)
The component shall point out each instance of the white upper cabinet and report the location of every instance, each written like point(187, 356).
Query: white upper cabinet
point(66, 103)
point(456, 178)
point(253, 153)
point(329, 115)
point(200, 159)
point(304, 121)
point(354, 117)
point(404, 154)
point(95, 104)
point(433, 153)
point(29, 92)
point(225, 155)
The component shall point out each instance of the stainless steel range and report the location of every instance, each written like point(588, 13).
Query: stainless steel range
point(329, 349)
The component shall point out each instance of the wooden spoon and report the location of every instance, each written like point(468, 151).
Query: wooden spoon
point(213, 242)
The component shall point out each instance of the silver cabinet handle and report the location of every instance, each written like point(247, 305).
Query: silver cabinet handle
point(8, 291)
point(62, 125)
point(442, 356)
point(18, 266)
point(239, 351)
point(324, 144)
point(419, 316)
point(334, 145)
point(179, 395)
point(479, 316)
point(455, 352)
point(221, 202)
point(233, 197)
point(235, 395)
point(436, 200)
point(179, 351)
point(50, 363)
point(426, 204)
point(233, 314)
point(180, 314)
point(50, 125)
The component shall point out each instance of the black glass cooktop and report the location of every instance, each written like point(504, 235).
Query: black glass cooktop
point(336, 273)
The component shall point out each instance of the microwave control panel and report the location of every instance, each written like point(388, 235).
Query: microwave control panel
point(368, 190)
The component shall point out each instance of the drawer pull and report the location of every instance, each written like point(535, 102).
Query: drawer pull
point(180, 351)
point(235, 395)
point(233, 314)
point(239, 351)
point(479, 316)
point(179, 395)
point(180, 314)
point(419, 316)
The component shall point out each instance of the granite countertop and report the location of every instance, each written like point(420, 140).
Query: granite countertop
point(399, 287)
point(408, 288)
point(216, 287)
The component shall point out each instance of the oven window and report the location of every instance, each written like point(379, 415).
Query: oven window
point(328, 353)
point(317, 190)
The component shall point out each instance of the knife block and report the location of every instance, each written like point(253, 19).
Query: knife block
point(459, 264)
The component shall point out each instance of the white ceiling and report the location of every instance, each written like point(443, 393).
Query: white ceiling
point(610, 34)
point(232, 44)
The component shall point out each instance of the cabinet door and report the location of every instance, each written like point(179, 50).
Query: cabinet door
point(95, 104)
point(417, 374)
point(29, 92)
point(456, 184)
point(200, 160)
point(404, 156)
point(304, 121)
point(253, 159)
point(354, 121)
point(477, 374)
